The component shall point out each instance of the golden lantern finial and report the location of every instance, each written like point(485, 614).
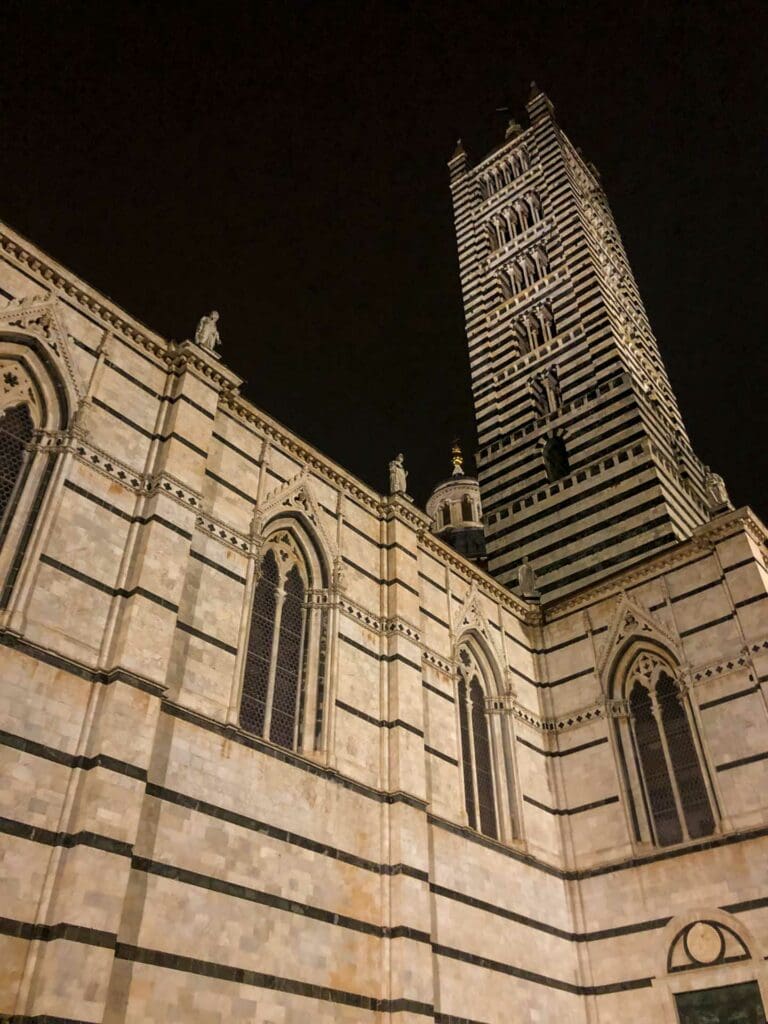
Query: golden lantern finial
point(457, 459)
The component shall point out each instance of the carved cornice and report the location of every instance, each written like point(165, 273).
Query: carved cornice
point(740, 658)
point(401, 627)
point(586, 715)
point(223, 533)
point(437, 660)
point(80, 294)
point(486, 585)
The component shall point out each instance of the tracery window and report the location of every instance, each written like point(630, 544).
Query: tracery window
point(666, 755)
point(283, 682)
point(476, 754)
point(16, 429)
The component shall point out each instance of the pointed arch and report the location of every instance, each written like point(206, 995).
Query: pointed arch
point(485, 741)
point(34, 396)
point(282, 694)
point(669, 786)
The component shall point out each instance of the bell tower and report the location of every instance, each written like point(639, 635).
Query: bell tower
point(584, 464)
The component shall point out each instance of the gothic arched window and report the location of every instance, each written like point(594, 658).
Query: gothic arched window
point(283, 681)
point(467, 512)
point(16, 429)
point(555, 457)
point(476, 757)
point(666, 756)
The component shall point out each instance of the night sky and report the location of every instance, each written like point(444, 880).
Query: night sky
point(285, 163)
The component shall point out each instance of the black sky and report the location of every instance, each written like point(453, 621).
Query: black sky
point(285, 163)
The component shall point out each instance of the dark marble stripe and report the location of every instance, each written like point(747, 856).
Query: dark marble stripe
point(151, 435)
point(706, 625)
point(105, 588)
point(143, 520)
point(79, 761)
point(281, 834)
point(219, 568)
point(230, 486)
point(440, 754)
point(214, 641)
point(716, 701)
point(380, 723)
point(562, 753)
point(741, 761)
point(266, 899)
point(440, 693)
point(571, 810)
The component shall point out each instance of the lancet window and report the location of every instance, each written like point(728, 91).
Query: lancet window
point(480, 797)
point(513, 220)
point(524, 271)
point(505, 171)
point(16, 429)
point(666, 761)
point(535, 328)
point(284, 676)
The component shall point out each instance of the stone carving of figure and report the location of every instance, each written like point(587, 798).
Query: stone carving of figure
point(717, 495)
point(526, 578)
point(207, 333)
point(551, 387)
point(398, 475)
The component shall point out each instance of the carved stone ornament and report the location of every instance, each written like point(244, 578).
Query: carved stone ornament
point(703, 943)
point(470, 618)
point(40, 317)
point(17, 387)
point(296, 496)
point(630, 620)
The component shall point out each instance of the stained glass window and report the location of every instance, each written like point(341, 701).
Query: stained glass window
point(277, 662)
point(666, 755)
point(15, 432)
point(658, 785)
point(685, 762)
point(476, 755)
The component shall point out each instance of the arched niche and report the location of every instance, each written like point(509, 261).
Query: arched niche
point(486, 740)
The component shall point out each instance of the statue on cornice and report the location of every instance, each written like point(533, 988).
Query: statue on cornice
point(717, 495)
point(207, 333)
point(398, 476)
point(526, 578)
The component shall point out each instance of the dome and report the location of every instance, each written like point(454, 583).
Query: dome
point(456, 512)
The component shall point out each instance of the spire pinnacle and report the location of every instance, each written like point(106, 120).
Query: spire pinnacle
point(457, 459)
point(459, 151)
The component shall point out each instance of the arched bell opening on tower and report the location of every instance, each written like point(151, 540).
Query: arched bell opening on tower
point(555, 456)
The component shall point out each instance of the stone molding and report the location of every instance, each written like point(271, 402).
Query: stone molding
point(39, 316)
point(485, 584)
point(704, 539)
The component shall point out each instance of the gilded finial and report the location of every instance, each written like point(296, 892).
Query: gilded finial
point(457, 459)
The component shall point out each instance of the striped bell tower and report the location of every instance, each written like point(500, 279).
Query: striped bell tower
point(584, 464)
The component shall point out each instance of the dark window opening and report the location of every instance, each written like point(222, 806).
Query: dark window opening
point(658, 785)
point(556, 459)
point(16, 430)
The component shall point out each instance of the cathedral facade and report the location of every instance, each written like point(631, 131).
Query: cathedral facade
point(277, 747)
